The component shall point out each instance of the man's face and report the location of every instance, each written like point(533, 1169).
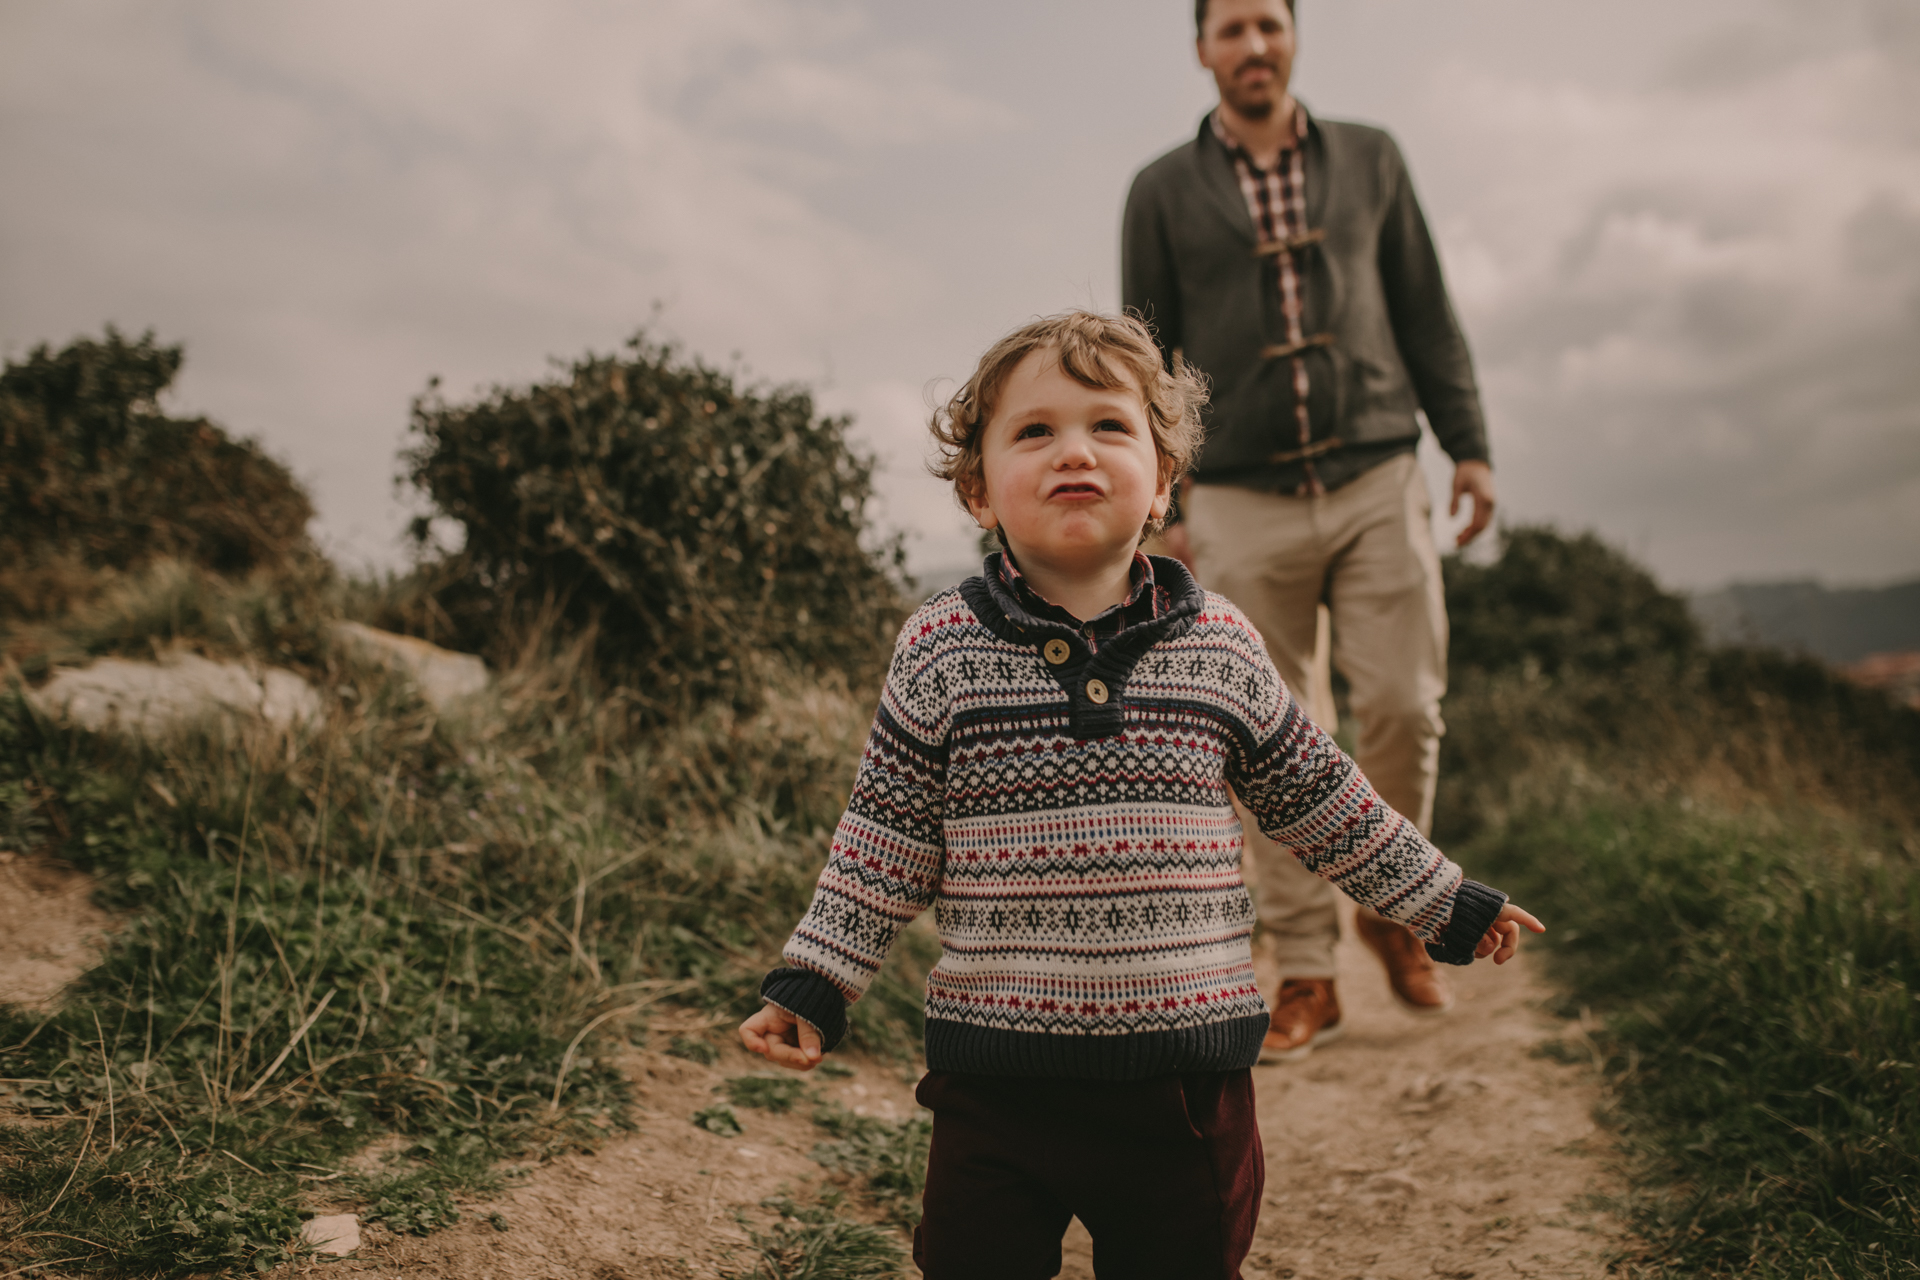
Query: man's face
point(1249, 45)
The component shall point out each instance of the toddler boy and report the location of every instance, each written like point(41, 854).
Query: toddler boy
point(1051, 769)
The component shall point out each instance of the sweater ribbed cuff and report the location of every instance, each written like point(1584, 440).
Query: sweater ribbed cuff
point(1475, 907)
point(805, 994)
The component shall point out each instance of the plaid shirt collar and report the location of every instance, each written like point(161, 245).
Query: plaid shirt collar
point(1146, 600)
point(1301, 124)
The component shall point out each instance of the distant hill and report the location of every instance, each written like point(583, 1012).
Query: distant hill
point(1837, 626)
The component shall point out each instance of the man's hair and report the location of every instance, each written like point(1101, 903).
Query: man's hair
point(1200, 16)
point(1106, 353)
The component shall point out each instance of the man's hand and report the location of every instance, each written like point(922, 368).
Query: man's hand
point(1502, 937)
point(1473, 480)
point(782, 1039)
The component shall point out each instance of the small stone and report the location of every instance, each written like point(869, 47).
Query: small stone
point(337, 1233)
point(442, 676)
point(1393, 1184)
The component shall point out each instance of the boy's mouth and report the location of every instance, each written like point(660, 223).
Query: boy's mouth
point(1075, 489)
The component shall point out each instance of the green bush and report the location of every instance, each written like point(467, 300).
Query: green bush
point(692, 526)
point(98, 478)
point(429, 931)
point(1569, 664)
point(1554, 604)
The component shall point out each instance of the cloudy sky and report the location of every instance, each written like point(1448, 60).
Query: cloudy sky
point(1685, 239)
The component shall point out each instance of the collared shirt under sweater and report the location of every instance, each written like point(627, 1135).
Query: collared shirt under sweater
point(1065, 811)
point(1277, 203)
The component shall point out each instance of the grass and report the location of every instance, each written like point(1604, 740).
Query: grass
point(435, 934)
point(276, 615)
point(1759, 983)
point(769, 1093)
point(888, 1159)
point(718, 1118)
point(1725, 844)
point(816, 1243)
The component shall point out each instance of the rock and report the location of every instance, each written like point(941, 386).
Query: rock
point(337, 1234)
point(442, 676)
point(1432, 1090)
point(149, 698)
point(1393, 1183)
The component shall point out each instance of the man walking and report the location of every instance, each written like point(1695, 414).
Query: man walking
point(1287, 259)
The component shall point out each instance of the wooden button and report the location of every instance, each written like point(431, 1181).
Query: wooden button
point(1057, 651)
point(1097, 691)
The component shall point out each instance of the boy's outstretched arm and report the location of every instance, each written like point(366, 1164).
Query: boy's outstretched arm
point(1312, 800)
point(1502, 938)
point(782, 1039)
point(883, 869)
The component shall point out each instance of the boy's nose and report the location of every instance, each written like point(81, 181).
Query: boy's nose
point(1075, 453)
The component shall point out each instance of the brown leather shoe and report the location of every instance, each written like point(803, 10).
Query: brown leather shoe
point(1411, 972)
point(1306, 1013)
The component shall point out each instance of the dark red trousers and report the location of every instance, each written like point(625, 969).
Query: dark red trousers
point(1165, 1173)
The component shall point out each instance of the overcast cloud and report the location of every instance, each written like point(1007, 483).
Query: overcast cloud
point(1686, 245)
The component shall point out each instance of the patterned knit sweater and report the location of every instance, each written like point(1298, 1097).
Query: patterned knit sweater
point(1066, 813)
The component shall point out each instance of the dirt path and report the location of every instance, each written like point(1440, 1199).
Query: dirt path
point(1410, 1149)
point(1432, 1148)
point(50, 931)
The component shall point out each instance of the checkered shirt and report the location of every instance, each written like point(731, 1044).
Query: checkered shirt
point(1277, 199)
point(1146, 600)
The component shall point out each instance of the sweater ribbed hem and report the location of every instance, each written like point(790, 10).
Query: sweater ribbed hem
point(1475, 907)
point(990, 1051)
point(805, 994)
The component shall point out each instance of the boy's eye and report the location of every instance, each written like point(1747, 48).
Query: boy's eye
point(1114, 424)
point(1032, 431)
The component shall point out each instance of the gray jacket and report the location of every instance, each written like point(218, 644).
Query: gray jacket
point(1372, 295)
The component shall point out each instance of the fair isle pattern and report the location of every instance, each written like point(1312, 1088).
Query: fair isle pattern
point(1091, 887)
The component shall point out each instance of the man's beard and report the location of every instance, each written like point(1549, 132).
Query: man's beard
point(1259, 103)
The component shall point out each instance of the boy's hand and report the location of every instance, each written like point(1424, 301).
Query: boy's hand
point(784, 1040)
point(1502, 937)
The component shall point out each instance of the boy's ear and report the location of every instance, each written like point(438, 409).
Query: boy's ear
point(977, 508)
point(1163, 495)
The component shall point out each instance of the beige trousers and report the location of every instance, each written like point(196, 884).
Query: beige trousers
point(1366, 552)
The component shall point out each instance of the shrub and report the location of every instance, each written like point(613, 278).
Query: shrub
point(1569, 663)
point(97, 477)
point(692, 526)
point(1557, 604)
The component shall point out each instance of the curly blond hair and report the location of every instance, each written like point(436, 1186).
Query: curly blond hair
point(1107, 353)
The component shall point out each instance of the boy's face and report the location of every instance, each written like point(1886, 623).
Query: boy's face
point(1069, 473)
